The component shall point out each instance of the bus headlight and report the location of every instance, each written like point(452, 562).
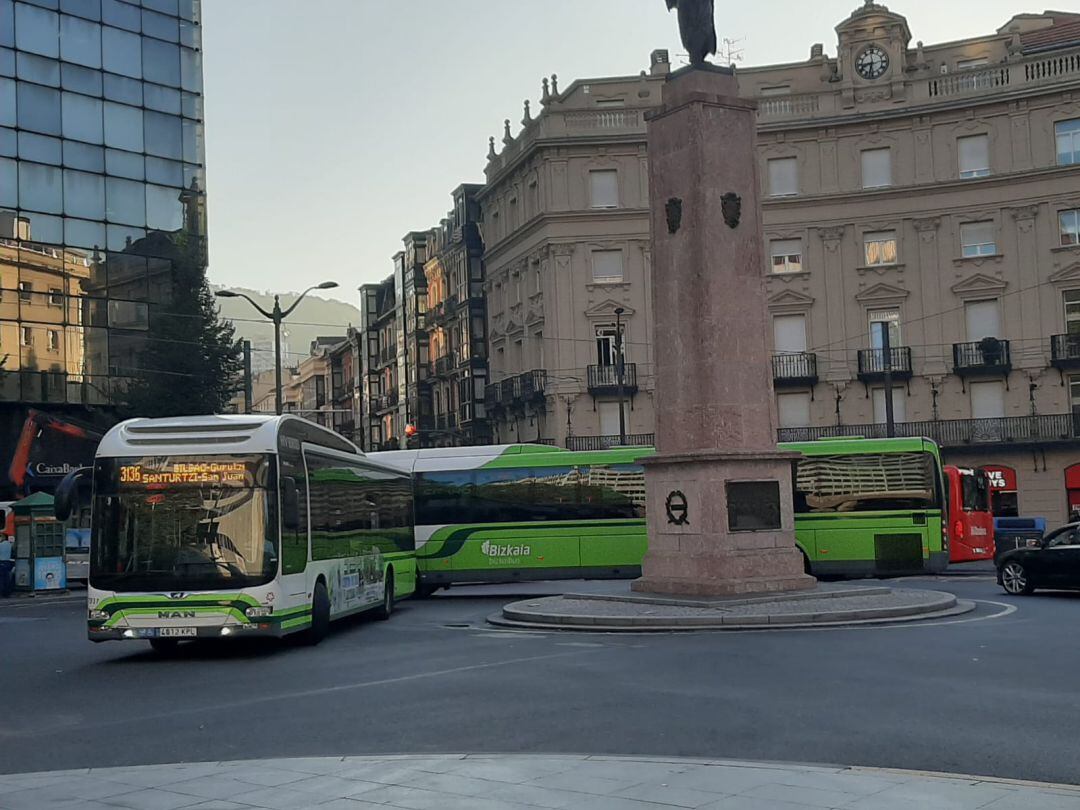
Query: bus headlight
point(98, 616)
point(257, 612)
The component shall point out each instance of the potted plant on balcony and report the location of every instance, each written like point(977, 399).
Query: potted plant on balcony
point(991, 350)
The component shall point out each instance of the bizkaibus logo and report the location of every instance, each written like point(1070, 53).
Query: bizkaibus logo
point(495, 550)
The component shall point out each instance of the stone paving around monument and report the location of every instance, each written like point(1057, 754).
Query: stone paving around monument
point(489, 782)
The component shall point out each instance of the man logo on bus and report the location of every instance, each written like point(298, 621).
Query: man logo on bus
point(490, 549)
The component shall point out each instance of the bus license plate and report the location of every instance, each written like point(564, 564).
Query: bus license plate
point(177, 632)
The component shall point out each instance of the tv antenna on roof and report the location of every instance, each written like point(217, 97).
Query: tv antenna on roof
point(729, 51)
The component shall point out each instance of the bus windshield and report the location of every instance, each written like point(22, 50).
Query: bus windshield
point(975, 491)
point(183, 523)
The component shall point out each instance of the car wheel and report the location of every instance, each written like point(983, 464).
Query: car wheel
point(164, 646)
point(386, 609)
point(1015, 579)
point(320, 614)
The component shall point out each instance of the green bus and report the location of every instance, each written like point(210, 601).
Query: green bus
point(531, 512)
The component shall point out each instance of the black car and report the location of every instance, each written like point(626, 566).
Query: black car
point(1053, 562)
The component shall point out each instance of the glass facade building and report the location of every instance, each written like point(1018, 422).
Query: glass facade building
point(101, 194)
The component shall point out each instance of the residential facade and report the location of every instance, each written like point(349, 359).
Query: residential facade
point(101, 194)
point(567, 260)
point(932, 191)
point(456, 325)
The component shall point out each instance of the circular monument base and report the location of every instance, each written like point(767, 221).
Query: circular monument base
point(824, 606)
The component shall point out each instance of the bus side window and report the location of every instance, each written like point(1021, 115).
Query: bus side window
point(294, 518)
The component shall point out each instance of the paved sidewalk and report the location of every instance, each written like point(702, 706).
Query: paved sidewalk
point(487, 782)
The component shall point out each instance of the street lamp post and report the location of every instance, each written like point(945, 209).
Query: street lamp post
point(277, 315)
point(620, 379)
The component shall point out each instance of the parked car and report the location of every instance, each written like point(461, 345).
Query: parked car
point(1053, 562)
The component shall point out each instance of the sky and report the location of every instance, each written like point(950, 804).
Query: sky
point(333, 132)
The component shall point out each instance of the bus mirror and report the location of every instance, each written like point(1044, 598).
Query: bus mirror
point(66, 499)
point(290, 504)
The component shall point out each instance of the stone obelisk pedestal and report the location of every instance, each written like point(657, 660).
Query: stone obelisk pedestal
point(719, 491)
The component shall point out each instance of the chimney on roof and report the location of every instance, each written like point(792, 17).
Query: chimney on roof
point(659, 62)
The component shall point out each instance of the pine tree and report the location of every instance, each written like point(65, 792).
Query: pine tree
point(191, 361)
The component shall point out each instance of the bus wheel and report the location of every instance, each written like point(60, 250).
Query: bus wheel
point(386, 609)
point(805, 563)
point(164, 646)
point(424, 591)
point(320, 614)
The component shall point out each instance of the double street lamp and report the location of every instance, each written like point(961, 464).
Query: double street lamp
point(277, 315)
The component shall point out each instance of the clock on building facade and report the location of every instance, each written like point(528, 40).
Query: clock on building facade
point(872, 63)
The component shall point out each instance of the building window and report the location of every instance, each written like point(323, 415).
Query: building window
point(605, 188)
point(974, 156)
point(1070, 227)
point(1068, 142)
point(793, 409)
point(983, 319)
point(786, 255)
point(789, 334)
point(876, 168)
point(605, 344)
point(987, 399)
point(778, 90)
point(879, 319)
point(899, 400)
point(1072, 311)
point(27, 335)
point(783, 177)
point(977, 239)
point(56, 297)
point(607, 266)
point(880, 247)
point(54, 340)
point(972, 64)
point(25, 291)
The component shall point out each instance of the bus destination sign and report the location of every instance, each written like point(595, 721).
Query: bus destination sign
point(213, 473)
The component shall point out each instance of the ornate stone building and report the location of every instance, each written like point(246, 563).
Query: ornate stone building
point(566, 227)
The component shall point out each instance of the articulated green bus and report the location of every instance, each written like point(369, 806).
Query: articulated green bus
point(863, 508)
point(520, 512)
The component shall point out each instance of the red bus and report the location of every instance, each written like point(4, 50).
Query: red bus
point(971, 519)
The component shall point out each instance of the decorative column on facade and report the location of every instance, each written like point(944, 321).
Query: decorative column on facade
point(1031, 325)
point(833, 270)
point(933, 287)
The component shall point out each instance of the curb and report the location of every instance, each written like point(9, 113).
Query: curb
point(959, 608)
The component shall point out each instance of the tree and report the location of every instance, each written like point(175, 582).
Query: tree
point(191, 360)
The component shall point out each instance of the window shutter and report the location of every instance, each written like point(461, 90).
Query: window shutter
point(789, 333)
point(793, 410)
point(605, 188)
point(877, 168)
point(783, 177)
point(974, 155)
point(607, 265)
point(983, 319)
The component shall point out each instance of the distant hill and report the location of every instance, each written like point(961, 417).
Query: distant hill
point(315, 317)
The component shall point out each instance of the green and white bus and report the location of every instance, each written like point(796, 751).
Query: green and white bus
point(520, 512)
point(240, 526)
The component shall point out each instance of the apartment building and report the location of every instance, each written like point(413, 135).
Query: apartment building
point(932, 191)
point(567, 262)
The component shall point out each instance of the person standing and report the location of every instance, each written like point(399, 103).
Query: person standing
point(7, 563)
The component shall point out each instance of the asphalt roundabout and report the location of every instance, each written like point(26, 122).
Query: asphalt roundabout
point(825, 606)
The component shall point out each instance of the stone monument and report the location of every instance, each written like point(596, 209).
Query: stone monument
point(720, 513)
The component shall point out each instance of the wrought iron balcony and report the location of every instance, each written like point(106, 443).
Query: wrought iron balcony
point(605, 379)
point(531, 386)
point(443, 365)
point(794, 368)
point(986, 356)
point(1014, 430)
point(872, 364)
point(1065, 352)
point(608, 442)
point(442, 310)
point(385, 402)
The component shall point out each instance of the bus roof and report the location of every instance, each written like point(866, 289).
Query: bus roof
point(195, 435)
point(842, 445)
point(504, 457)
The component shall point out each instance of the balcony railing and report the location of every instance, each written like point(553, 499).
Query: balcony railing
point(1065, 352)
point(444, 365)
point(872, 363)
point(533, 385)
point(987, 356)
point(386, 401)
point(442, 310)
point(799, 368)
point(523, 389)
point(957, 432)
point(605, 379)
point(608, 442)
